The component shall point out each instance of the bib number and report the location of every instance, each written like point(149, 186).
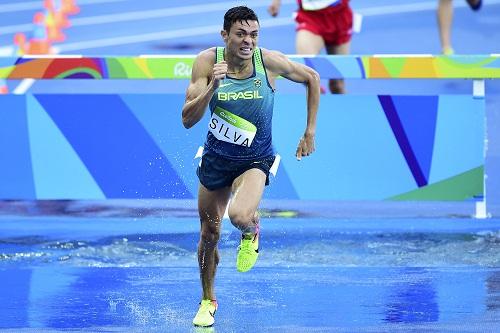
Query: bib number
point(231, 128)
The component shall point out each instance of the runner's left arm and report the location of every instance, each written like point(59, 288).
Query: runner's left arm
point(278, 64)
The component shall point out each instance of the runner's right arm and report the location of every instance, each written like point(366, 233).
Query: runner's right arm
point(205, 78)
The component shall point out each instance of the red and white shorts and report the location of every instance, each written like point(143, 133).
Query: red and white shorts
point(333, 24)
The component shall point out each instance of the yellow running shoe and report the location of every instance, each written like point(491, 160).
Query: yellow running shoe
point(206, 312)
point(248, 251)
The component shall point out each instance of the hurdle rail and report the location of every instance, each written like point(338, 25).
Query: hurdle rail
point(179, 67)
point(471, 67)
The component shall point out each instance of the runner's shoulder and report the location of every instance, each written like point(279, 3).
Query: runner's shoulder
point(204, 62)
point(207, 56)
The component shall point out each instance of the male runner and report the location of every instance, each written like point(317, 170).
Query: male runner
point(237, 82)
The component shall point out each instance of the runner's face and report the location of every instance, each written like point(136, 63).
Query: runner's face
point(242, 38)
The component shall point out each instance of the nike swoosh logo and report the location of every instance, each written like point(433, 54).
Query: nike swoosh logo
point(224, 85)
point(212, 314)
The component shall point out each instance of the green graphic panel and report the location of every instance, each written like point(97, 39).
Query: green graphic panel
point(461, 187)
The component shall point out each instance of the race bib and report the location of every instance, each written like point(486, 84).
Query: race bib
point(318, 4)
point(231, 128)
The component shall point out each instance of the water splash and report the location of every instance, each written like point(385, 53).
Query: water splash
point(307, 248)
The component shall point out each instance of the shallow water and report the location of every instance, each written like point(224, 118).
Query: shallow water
point(284, 243)
point(315, 275)
point(283, 299)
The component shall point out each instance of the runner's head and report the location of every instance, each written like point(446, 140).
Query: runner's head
point(239, 14)
point(241, 31)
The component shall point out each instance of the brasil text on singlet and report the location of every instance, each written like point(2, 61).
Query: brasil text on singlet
point(241, 114)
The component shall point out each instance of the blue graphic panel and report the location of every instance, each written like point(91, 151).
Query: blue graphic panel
point(459, 138)
point(281, 186)
point(15, 166)
point(160, 115)
point(357, 156)
point(414, 136)
point(418, 116)
point(402, 139)
point(323, 66)
point(95, 146)
point(58, 171)
point(114, 146)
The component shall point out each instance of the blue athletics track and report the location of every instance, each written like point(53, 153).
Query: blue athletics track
point(129, 265)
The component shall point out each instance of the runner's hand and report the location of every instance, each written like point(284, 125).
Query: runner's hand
point(306, 146)
point(219, 73)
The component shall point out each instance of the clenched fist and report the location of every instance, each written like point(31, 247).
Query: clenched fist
point(219, 73)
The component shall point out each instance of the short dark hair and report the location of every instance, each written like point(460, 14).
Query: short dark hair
point(238, 14)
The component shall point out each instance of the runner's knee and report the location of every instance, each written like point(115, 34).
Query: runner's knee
point(210, 235)
point(241, 218)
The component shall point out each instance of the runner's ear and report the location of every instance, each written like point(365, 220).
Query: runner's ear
point(224, 35)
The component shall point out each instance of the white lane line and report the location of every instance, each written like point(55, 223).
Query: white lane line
point(52, 55)
point(35, 5)
point(392, 55)
point(167, 12)
point(163, 56)
point(160, 35)
point(144, 14)
point(211, 29)
point(12, 29)
point(411, 8)
point(205, 30)
point(7, 51)
point(200, 9)
point(23, 87)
